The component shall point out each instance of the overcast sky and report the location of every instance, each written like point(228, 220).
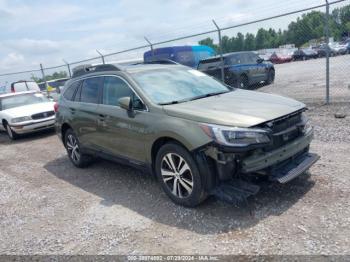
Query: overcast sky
point(44, 31)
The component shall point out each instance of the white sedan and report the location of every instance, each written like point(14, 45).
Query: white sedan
point(25, 112)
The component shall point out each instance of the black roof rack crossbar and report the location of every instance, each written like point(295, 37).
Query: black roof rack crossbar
point(84, 69)
point(161, 61)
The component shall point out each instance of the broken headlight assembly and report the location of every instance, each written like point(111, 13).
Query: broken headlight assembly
point(235, 136)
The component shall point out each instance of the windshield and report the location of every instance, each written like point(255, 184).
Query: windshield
point(164, 86)
point(21, 100)
point(25, 86)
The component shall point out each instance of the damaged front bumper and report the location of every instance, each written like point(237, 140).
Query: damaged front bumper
point(282, 164)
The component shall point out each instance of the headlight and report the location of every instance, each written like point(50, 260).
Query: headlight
point(306, 126)
point(21, 119)
point(234, 136)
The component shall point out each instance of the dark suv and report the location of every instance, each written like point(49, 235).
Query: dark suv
point(241, 69)
point(198, 136)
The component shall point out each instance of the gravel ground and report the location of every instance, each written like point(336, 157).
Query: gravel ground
point(306, 80)
point(49, 207)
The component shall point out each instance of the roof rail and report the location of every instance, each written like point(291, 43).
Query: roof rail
point(161, 61)
point(85, 69)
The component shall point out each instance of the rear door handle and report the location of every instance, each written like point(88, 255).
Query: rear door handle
point(72, 110)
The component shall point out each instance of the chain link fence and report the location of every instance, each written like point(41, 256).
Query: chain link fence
point(319, 75)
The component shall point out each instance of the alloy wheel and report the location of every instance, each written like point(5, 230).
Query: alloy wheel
point(73, 148)
point(177, 175)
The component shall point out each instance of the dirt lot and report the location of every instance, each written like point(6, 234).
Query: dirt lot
point(306, 80)
point(49, 207)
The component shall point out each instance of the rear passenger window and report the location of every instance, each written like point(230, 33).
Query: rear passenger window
point(234, 60)
point(245, 58)
point(70, 91)
point(90, 90)
point(115, 88)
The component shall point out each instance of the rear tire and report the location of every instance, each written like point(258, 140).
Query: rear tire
point(11, 134)
point(243, 82)
point(73, 148)
point(179, 176)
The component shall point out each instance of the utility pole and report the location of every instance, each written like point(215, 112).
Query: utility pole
point(220, 50)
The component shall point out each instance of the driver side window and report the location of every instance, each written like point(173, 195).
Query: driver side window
point(115, 88)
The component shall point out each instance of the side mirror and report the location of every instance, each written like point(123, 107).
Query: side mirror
point(125, 103)
point(259, 60)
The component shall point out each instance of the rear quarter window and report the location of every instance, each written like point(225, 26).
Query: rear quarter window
point(90, 90)
point(209, 64)
point(71, 90)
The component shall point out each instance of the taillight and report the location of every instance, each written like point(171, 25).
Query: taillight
point(55, 107)
point(13, 89)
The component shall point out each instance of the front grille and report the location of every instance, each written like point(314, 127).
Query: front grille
point(43, 115)
point(284, 130)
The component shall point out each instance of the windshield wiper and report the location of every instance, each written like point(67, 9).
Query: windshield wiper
point(209, 94)
point(169, 103)
point(194, 98)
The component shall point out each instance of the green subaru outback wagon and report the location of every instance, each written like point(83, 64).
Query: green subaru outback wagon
point(197, 135)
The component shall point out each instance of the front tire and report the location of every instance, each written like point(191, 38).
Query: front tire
point(11, 134)
point(74, 152)
point(270, 76)
point(179, 176)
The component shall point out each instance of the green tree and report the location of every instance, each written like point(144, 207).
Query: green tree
point(239, 42)
point(310, 26)
point(55, 75)
point(249, 43)
point(209, 42)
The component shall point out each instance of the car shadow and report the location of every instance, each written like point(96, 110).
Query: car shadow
point(4, 139)
point(122, 185)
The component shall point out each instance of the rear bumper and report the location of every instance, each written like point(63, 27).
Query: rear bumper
point(33, 127)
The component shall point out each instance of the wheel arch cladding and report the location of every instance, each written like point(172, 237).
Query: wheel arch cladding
point(204, 165)
point(159, 142)
point(64, 129)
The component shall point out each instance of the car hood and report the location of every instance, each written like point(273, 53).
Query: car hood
point(238, 108)
point(29, 110)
